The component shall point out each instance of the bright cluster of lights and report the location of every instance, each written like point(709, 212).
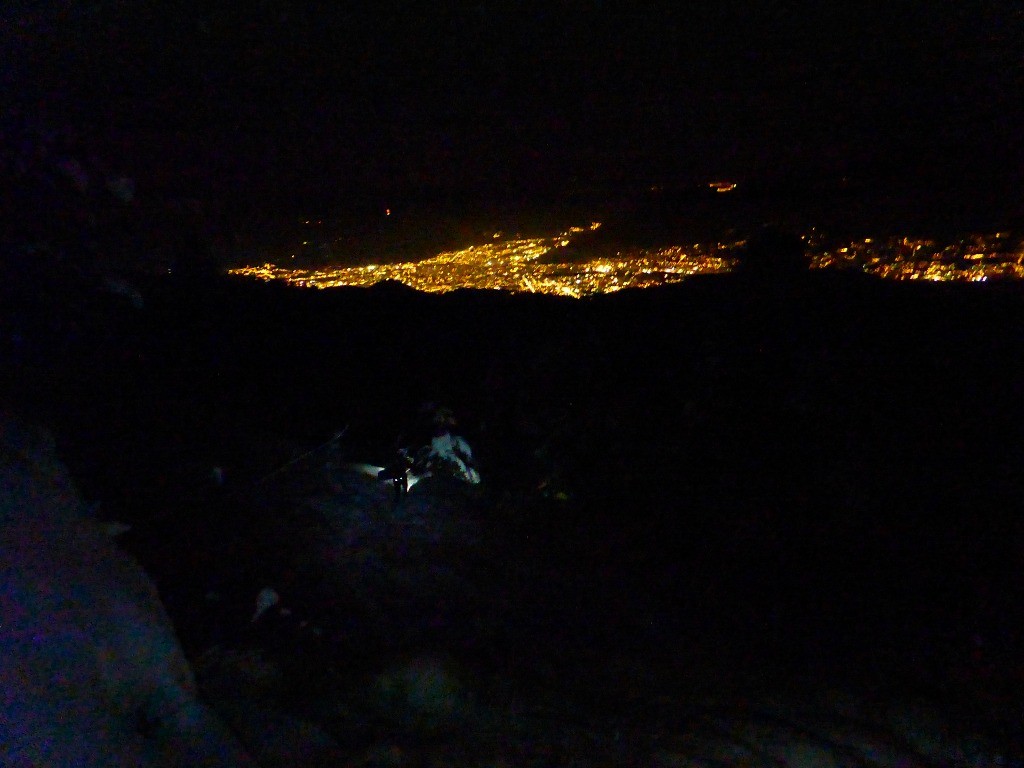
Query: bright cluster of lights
point(547, 265)
point(722, 186)
point(976, 258)
point(516, 265)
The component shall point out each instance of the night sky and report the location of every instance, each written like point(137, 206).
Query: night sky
point(287, 103)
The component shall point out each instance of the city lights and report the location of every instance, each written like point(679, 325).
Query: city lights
point(516, 265)
point(533, 264)
point(974, 258)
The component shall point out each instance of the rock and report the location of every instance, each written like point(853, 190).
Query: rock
point(373, 569)
point(421, 696)
point(265, 600)
point(276, 738)
point(248, 689)
point(90, 668)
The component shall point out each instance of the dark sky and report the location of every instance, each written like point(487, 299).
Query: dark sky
point(298, 100)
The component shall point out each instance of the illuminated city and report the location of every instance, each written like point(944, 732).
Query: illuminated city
point(975, 258)
point(521, 265)
point(547, 265)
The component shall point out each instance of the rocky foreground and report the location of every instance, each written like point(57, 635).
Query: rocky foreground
point(727, 523)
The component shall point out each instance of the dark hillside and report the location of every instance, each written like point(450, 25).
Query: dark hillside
point(809, 470)
point(819, 407)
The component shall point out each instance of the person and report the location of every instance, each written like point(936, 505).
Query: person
point(447, 454)
point(397, 471)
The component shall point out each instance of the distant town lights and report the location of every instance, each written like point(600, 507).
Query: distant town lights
point(515, 265)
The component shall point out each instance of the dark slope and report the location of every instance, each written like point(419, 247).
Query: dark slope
point(809, 472)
